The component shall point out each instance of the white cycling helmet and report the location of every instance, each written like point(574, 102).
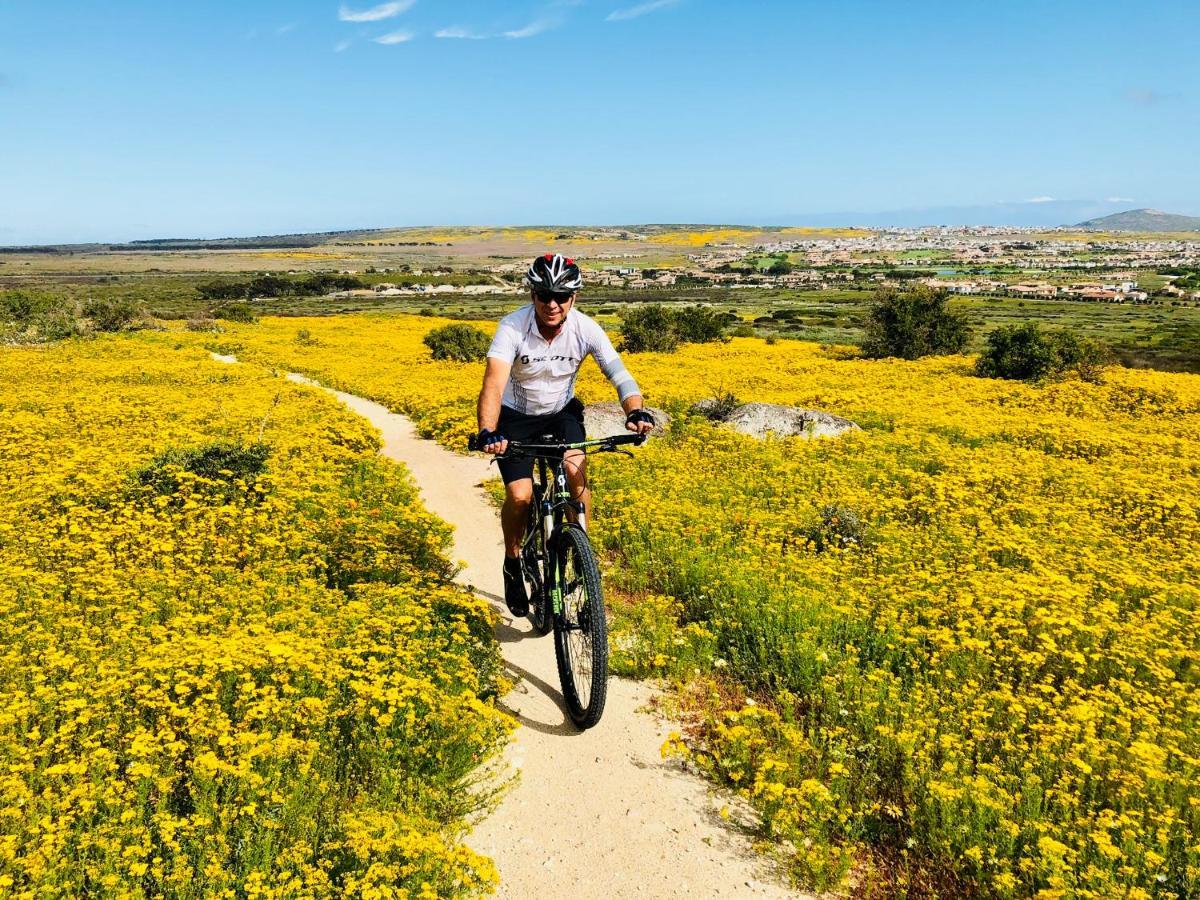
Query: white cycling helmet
point(554, 273)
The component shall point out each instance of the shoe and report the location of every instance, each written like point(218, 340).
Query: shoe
point(514, 588)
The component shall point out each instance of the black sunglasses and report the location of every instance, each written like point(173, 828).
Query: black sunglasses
point(560, 299)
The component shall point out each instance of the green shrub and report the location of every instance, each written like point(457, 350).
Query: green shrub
point(742, 331)
point(655, 328)
point(203, 323)
point(220, 465)
point(1027, 353)
point(305, 338)
point(22, 307)
point(913, 323)
point(236, 312)
point(463, 343)
point(45, 317)
point(111, 314)
point(648, 329)
point(1086, 357)
point(223, 290)
point(1094, 357)
point(698, 324)
point(59, 323)
point(277, 286)
point(718, 408)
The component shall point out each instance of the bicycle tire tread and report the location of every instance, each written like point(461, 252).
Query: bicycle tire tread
point(585, 718)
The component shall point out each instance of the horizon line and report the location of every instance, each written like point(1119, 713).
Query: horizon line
point(747, 226)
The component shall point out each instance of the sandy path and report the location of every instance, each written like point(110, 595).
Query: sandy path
point(596, 814)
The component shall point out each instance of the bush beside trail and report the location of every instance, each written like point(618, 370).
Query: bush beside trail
point(460, 343)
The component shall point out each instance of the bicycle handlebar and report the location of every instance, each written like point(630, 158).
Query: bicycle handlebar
point(601, 444)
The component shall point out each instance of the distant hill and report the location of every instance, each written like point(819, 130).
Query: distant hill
point(260, 242)
point(1142, 220)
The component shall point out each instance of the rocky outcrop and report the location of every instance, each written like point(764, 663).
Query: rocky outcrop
point(762, 419)
point(604, 419)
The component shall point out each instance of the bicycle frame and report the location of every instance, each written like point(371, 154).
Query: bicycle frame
point(553, 495)
point(550, 517)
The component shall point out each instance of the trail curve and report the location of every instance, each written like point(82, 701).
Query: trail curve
point(596, 814)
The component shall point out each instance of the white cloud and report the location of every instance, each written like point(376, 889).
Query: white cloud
point(641, 9)
point(396, 37)
point(284, 29)
point(1120, 200)
point(1041, 199)
point(531, 29)
point(460, 33)
point(342, 46)
point(375, 13)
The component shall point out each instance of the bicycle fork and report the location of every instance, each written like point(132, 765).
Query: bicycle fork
point(550, 533)
point(553, 564)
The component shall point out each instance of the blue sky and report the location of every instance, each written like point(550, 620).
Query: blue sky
point(123, 120)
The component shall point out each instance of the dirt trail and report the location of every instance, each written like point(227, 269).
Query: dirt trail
point(597, 814)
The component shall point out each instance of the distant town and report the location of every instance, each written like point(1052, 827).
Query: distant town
point(964, 261)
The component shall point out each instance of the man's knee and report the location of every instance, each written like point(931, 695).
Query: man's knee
point(575, 465)
point(519, 494)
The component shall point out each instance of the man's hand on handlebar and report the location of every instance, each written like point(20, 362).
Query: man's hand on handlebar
point(639, 421)
point(490, 441)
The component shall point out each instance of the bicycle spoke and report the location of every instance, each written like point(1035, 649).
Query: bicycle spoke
point(581, 641)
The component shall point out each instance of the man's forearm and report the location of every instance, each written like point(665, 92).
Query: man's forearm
point(632, 402)
point(488, 411)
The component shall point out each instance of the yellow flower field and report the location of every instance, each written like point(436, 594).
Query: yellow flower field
point(232, 663)
point(956, 653)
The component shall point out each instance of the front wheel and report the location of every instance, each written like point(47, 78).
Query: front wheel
point(581, 631)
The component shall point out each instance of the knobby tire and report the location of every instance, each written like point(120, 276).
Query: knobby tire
point(581, 632)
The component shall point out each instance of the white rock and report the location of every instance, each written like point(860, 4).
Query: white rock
point(762, 419)
point(604, 419)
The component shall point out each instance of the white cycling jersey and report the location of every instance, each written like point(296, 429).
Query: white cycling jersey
point(544, 372)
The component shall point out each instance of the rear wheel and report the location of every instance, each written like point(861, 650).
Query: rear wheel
point(581, 632)
point(533, 556)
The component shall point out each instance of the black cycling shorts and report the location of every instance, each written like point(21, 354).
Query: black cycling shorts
point(566, 425)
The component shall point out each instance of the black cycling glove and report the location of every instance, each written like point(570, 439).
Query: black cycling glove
point(639, 415)
point(486, 438)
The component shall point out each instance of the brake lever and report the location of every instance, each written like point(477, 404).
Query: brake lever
point(609, 448)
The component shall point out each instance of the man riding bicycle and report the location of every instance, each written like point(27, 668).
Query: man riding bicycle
point(529, 390)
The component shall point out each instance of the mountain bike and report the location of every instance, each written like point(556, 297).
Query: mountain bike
point(562, 576)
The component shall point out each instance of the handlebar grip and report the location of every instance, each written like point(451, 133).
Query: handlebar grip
point(636, 439)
